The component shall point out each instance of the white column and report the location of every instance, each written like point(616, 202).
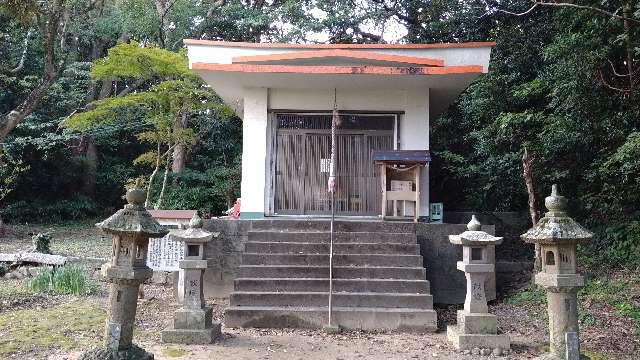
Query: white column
point(254, 150)
point(414, 135)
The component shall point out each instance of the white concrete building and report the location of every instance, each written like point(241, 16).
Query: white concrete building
point(284, 93)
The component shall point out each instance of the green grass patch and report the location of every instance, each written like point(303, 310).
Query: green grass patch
point(67, 279)
point(615, 293)
point(534, 294)
point(174, 352)
point(73, 325)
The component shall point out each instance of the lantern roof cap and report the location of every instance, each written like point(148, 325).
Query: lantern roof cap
point(195, 233)
point(133, 218)
point(556, 227)
point(474, 236)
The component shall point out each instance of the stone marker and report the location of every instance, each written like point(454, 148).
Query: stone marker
point(558, 235)
point(131, 228)
point(476, 328)
point(192, 324)
point(573, 346)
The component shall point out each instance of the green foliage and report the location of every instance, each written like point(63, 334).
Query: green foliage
point(617, 244)
point(132, 61)
point(43, 211)
point(68, 279)
point(534, 294)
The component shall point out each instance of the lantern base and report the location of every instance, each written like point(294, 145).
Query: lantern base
point(463, 341)
point(102, 353)
point(191, 337)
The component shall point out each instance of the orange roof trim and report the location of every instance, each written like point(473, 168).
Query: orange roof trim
point(338, 46)
point(358, 70)
point(361, 55)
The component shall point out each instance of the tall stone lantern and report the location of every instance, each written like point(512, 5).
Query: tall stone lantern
point(131, 228)
point(476, 328)
point(192, 324)
point(558, 236)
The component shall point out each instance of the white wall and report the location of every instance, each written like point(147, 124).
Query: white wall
point(254, 145)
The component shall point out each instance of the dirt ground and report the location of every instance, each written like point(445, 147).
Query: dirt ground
point(44, 326)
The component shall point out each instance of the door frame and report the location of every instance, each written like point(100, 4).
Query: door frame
point(271, 155)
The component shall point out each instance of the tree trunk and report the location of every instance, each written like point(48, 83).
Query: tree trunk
point(164, 183)
point(91, 172)
point(180, 151)
point(9, 121)
point(627, 12)
point(527, 175)
point(152, 177)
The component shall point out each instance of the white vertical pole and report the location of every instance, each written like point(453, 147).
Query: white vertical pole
point(332, 190)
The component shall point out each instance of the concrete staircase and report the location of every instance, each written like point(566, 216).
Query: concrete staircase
point(379, 279)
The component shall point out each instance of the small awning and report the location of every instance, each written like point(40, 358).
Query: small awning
point(402, 157)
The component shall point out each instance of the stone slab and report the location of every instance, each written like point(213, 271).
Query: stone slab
point(193, 319)
point(355, 318)
point(191, 337)
point(470, 341)
point(477, 323)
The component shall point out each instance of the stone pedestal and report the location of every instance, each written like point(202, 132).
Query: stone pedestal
point(192, 324)
point(475, 327)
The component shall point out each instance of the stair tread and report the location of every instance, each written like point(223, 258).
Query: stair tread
point(349, 254)
point(324, 278)
point(328, 232)
point(324, 308)
point(335, 243)
point(394, 294)
point(335, 267)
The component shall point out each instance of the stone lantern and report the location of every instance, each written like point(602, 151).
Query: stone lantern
point(192, 324)
point(131, 228)
point(476, 328)
point(558, 236)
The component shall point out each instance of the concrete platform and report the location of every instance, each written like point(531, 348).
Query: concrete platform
point(470, 341)
point(191, 337)
point(353, 318)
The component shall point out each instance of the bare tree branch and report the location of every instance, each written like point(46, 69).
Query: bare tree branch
point(572, 5)
point(519, 14)
point(609, 86)
point(591, 8)
point(20, 65)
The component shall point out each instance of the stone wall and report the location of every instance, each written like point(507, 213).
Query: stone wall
point(448, 284)
point(225, 254)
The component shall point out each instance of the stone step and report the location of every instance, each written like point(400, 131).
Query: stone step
point(339, 225)
point(339, 237)
point(319, 299)
point(323, 248)
point(339, 260)
point(339, 272)
point(339, 285)
point(375, 318)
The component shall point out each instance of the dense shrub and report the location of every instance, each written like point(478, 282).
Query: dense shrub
point(616, 245)
point(67, 279)
point(39, 211)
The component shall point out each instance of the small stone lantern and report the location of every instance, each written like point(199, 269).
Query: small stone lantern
point(192, 324)
point(476, 328)
point(558, 236)
point(131, 228)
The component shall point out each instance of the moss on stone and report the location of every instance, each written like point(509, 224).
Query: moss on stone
point(72, 325)
point(173, 352)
